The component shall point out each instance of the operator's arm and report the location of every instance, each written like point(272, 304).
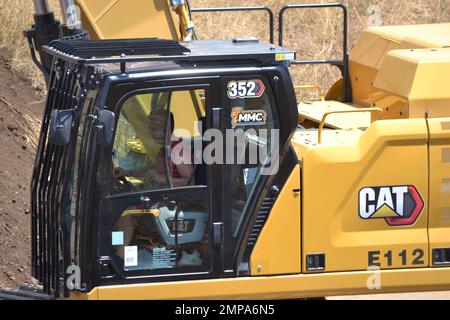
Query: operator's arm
point(184, 165)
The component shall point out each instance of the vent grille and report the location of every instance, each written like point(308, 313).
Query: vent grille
point(87, 49)
point(260, 220)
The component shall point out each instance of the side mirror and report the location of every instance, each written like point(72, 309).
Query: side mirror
point(60, 127)
point(105, 127)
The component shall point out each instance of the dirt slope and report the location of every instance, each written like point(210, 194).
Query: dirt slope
point(20, 110)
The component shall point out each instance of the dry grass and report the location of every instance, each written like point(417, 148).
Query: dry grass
point(16, 16)
point(316, 34)
point(313, 34)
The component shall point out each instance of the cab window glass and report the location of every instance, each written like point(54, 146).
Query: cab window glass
point(153, 132)
point(155, 223)
point(167, 235)
point(253, 116)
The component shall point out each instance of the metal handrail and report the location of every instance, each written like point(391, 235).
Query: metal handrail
point(254, 8)
point(342, 64)
point(322, 123)
point(313, 6)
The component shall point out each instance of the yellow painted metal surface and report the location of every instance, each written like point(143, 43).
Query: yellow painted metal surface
point(439, 222)
point(411, 83)
point(120, 19)
point(277, 250)
point(344, 112)
point(306, 139)
point(420, 35)
point(367, 57)
point(283, 287)
point(187, 107)
point(154, 212)
point(315, 111)
point(76, 295)
point(389, 153)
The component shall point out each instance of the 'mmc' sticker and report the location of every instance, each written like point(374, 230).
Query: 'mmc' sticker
point(398, 205)
point(245, 89)
point(241, 117)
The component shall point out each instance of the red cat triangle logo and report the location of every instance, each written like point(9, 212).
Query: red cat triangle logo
point(398, 205)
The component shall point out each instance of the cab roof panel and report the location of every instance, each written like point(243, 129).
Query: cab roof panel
point(140, 50)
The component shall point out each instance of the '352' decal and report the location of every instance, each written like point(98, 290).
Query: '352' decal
point(245, 89)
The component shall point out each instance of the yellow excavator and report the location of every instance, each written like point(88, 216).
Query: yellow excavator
point(352, 195)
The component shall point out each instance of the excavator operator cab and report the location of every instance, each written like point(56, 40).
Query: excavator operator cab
point(145, 171)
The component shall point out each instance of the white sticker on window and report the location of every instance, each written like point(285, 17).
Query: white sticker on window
point(117, 238)
point(245, 89)
point(241, 117)
point(131, 256)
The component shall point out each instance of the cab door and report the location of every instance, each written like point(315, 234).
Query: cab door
point(251, 127)
point(157, 210)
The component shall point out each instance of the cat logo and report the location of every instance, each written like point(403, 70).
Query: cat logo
point(398, 205)
point(239, 117)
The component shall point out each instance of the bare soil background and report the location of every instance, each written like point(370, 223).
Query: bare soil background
point(20, 111)
point(314, 34)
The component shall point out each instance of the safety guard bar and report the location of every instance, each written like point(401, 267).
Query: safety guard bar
point(325, 116)
point(343, 64)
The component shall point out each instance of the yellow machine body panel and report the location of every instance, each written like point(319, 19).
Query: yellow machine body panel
point(278, 287)
point(389, 154)
point(121, 19)
point(367, 57)
point(439, 222)
point(424, 74)
point(277, 250)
